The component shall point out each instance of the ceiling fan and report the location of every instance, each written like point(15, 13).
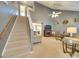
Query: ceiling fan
point(55, 14)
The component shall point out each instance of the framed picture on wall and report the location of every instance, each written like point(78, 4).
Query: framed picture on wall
point(65, 22)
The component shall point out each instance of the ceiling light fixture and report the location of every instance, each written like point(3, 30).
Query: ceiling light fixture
point(54, 14)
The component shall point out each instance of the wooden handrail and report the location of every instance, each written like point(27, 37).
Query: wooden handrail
point(6, 27)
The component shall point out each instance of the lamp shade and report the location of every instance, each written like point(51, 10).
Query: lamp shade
point(71, 30)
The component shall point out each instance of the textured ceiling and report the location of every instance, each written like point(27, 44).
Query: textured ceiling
point(61, 5)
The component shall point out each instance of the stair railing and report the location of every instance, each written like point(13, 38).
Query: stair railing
point(6, 27)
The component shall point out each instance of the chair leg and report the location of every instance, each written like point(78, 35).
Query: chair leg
point(63, 44)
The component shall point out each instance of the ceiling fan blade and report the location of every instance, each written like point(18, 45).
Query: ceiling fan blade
point(56, 15)
point(52, 16)
point(59, 13)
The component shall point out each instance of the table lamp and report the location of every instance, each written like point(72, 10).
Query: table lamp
point(71, 30)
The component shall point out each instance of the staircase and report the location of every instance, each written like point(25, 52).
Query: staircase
point(17, 44)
